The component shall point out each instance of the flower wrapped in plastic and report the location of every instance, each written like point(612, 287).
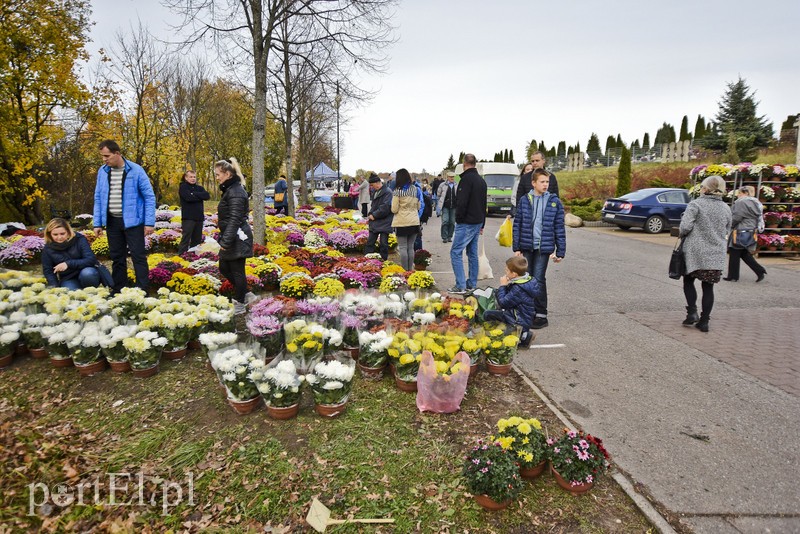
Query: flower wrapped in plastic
point(268, 331)
point(280, 383)
point(111, 344)
point(331, 381)
point(144, 349)
point(373, 348)
point(235, 368)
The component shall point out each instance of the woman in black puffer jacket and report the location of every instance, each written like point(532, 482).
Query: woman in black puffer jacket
point(235, 234)
point(67, 258)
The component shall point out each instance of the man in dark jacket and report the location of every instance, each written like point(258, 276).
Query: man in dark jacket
point(470, 219)
point(192, 196)
point(539, 235)
point(379, 216)
point(524, 185)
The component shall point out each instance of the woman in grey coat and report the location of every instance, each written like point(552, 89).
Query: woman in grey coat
point(746, 212)
point(704, 228)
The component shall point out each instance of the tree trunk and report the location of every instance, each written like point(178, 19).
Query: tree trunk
point(260, 53)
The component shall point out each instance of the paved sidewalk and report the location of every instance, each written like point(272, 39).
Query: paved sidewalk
point(764, 343)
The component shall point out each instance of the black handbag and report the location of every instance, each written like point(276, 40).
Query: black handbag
point(743, 238)
point(105, 275)
point(677, 263)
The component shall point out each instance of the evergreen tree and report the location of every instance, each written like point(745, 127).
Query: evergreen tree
point(511, 156)
point(699, 128)
point(577, 147)
point(788, 133)
point(451, 163)
point(611, 143)
point(542, 147)
point(665, 134)
point(460, 157)
point(505, 156)
point(646, 141)
point(562, 149)
point(624, 173)
point(738, 123)
point(620, 144)
point(685, 135)
point(570, 150)
point(530, 149)
point(593, 150)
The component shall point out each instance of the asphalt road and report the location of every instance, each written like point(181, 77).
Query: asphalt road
point(711, 443)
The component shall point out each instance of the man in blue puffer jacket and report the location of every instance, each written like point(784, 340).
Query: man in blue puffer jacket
point(539, 235)
point(125, 205)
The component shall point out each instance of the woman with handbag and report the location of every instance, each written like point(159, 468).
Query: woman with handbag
point(704, 229)
point(281, 202)
point(405, 207)
point(742, 243)
point(67, 258)
point(235, 234)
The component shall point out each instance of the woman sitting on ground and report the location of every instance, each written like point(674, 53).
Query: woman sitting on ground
point(67, 258)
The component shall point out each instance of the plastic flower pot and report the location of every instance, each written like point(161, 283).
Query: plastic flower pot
point(489, 504)
point(245, 407)
point(577, 489)
point(89, 369)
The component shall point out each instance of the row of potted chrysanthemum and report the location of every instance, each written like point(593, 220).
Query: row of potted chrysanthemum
point(247, 378)
point(494, 469)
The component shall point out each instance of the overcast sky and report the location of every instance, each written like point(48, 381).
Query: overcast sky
point(479, 76)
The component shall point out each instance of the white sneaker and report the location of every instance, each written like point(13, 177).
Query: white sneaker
point(239, 307)
point(250, 297)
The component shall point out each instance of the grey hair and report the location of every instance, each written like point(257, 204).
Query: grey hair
point(713, 185)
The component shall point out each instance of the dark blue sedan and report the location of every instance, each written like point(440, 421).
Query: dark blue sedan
point(655, 209)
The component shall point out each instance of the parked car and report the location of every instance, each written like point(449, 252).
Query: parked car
point(655, 209)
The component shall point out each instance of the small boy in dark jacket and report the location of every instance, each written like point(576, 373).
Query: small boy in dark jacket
point(516, 296)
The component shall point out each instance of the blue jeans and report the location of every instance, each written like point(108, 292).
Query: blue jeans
point(448, 223)
point(537, 267)
point(88, 277)
point(465, 237)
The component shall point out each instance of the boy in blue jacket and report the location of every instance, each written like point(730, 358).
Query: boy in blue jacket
point(516, 296)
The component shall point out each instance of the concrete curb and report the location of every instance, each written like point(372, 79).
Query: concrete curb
point(641, 502)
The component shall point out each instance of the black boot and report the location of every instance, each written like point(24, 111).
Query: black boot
point(691, 316)
point(702, 324)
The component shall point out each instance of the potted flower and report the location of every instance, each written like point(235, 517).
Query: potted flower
point(576, 459)
point(280, 386)
point(178, 328)
point(500, 350)
point(772, 219)
point(351, 326)
point(9, 334)
point(32, 332)
point(235, 367)
point(144, 351)
point(525, 440)
point(421, 280)
point(85, 349)
point(57, 339)
point(473, 348)
point(304, 343)
point(331, 383)
point(115, 352)
point(268, 331)
point(128, 304)
point(422, 259)
point(373, 353)
point(491, 475)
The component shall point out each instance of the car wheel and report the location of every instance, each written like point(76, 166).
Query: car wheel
point(623, 227)
point(654, 225)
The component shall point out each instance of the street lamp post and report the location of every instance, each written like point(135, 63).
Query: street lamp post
point(338, 161)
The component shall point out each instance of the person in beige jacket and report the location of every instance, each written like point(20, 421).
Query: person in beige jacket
point(405, 207)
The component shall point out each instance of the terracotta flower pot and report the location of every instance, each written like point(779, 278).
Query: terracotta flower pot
point(371, 373)
point(330, 410)
point(39, 353)
point(91, 368)
point(533, 472)
point(21, 349)
point(579, 489)
point(194, 345)
point(245, 407)
point(174, 354)
point(420, 267)
point(353, 351)
point(409, 386)
point(498, 369)
point(282, 414)
point(145, 373)
point(62, 362)
point(6, 360)
point(120, 367)
point(473, 370)
point(489, 504)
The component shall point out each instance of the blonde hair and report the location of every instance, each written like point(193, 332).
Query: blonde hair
point(713, 185)
point(517, 265)
point(748, 189)
point(57, 222)
point(231, 166)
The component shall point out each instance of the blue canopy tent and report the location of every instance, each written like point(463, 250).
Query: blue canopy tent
point(322, 173)
point(325, 175)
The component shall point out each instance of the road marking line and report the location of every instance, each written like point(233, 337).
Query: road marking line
point(553, 346)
